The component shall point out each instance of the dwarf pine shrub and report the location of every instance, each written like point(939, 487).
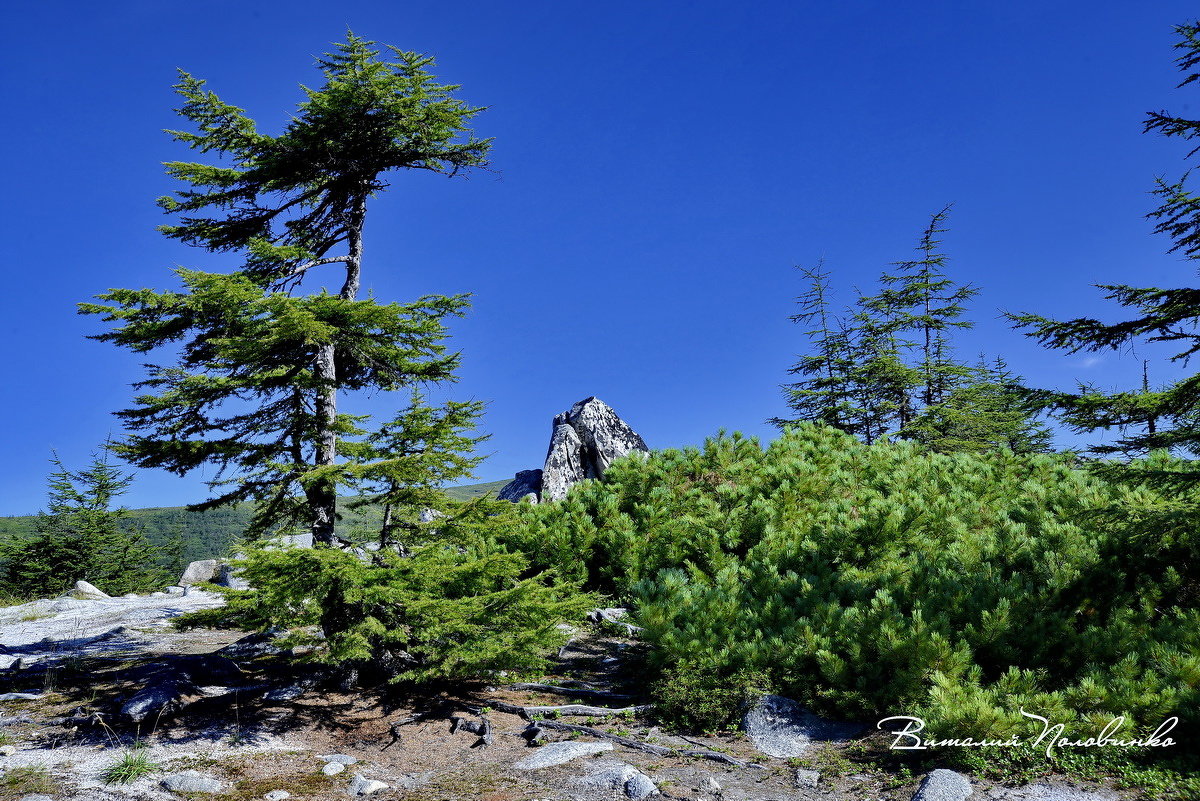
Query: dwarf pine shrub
point(885, 580)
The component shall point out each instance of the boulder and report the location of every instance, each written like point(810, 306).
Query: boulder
point(200, 570)
point(620, 776)
point(606, 437)
point(560, 753)
point(87, 592)
point(943, 785)
point(364, 786)
point(565, 465)
point(525, 483)
point(584, 441)
point(781, 728)
point(189, 781)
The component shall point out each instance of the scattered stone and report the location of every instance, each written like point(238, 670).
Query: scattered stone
point(7, 750)
point(87, 592)
point(277, 795)
point(710, 785)
point(364, 786)
point(525, 483)
point(781, 728)
point(411, 781)
point(158, 595)
point(1045, 792)
point(35, 797)
point(200, 570)
point(174, 589)
point(190, 781)
point(807, 778)
point(20, 696)
point(560, 753)
point(285, 693)
point(130, 595)
point(639, 786)
point(345, 759)
point(943, 785)
point(155, 699)
point(332, 768)
point(620, 776)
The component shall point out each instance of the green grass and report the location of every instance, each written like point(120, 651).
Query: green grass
point(26, 780)
point(132, 765)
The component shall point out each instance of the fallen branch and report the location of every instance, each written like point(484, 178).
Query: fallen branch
point(557, 690)
point(569, 709)
point(657, 750)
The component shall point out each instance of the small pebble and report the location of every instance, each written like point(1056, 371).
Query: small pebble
point(277, 795)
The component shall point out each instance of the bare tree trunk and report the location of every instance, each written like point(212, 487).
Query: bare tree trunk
point(322, 496)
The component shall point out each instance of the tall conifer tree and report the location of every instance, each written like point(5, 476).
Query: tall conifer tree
point(256, 386)
point(1146, 419)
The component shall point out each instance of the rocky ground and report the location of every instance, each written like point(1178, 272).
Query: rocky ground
point(86, 685)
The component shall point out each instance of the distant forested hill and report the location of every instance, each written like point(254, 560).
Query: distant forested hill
point(211, 533)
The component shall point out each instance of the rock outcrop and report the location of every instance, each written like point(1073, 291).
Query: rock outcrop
point(584, 441)
point(526, 483)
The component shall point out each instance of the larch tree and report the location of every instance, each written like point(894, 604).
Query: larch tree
point(887, 366)
point(260, 368)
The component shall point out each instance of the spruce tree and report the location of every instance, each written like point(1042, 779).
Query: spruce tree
point(255, 388)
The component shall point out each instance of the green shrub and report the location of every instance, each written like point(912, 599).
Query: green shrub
point(695, 695)
point(883, 580)
point(457, 606)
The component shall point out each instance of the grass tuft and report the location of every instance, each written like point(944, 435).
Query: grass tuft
point(133, 764)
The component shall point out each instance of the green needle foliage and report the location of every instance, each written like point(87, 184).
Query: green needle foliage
point(1144, 419)
point(81, 535)
point(881, 580)
point(261, 367)
point(255, 388)
point(886, 368)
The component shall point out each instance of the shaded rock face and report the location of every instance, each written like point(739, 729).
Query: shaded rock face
point(586, 439)
point(781, 728)
point(526, 482)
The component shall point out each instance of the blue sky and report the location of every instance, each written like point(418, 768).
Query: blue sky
point(660, 168)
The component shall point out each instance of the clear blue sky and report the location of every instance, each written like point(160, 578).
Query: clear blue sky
point(661, 168)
